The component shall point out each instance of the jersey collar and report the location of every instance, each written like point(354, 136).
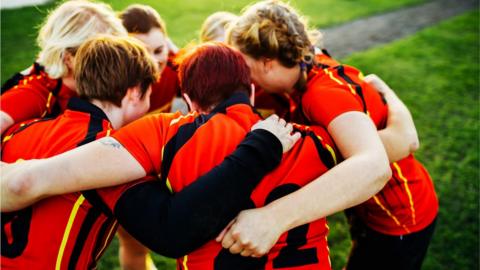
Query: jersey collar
point(78, 104)
point(234, 99)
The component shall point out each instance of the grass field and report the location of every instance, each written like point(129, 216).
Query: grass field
point(436, 73)
point(183, 18)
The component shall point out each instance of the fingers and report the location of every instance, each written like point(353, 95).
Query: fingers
point(246, 253)
point(377, 83)
point(281, 129)
point(220, 237)
point(236, 248)
point(228, 240)
point(289, 128)
point(273, 117)
point(295, 137)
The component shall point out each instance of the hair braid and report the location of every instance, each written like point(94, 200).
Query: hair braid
point(273, 29)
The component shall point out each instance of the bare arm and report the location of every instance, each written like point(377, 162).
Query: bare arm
point(98, 164)
point(400, 137)
point(101, 163)
point(362, 174)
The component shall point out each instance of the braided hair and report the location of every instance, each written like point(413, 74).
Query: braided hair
point(273, 29)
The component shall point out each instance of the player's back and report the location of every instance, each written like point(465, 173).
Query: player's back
point(204, 142)
point(61, 231)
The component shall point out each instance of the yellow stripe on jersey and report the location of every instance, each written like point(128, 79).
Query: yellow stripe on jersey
point(390, 214)
point(149, 264)
point(329, 73)
point(409, 194)
point(169, 186)
point(330, 149)
point(109, 129)
point(112, 229)
point(185, 259)
point(351, 89)
point(7, 138)
point(361, 76)
point(48, 104)
point(73, 214)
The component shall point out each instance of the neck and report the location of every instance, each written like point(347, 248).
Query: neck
point(113, 112)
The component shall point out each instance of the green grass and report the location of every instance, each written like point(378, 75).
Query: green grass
point(183, 18)
point(436, 73)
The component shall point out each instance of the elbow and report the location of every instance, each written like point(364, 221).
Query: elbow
point(415, 144)
point(13, 192)
point(383, 172)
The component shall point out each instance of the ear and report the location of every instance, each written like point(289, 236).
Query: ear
point(192, 106)
point(252, 94)
point(134, 94)
point(267, 65)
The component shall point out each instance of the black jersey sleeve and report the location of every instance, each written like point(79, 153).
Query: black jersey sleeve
point(176, 224)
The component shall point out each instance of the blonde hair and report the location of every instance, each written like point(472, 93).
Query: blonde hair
point(107, 66)
point(68, 26)
point(273, 29)
point(216, 22)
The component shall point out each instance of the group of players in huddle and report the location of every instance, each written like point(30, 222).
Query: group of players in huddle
point(95, 138)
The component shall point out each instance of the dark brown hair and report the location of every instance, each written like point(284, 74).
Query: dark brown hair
point(141, 19)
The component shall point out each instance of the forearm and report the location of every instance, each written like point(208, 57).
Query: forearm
point(98, 164)
point(196, 214)
point(348, 184)
point(364, 171)
point(399, 137)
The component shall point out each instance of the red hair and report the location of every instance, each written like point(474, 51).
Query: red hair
point(211, 72)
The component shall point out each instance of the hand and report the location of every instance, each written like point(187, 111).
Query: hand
point(378, 84)
point(278, 127)
point(252, 233)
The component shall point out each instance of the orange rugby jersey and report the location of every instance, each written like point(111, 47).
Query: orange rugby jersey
point(61, 232)
point(304, 247)
point(34, 95)
point(217, 135)
point(408, 202)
